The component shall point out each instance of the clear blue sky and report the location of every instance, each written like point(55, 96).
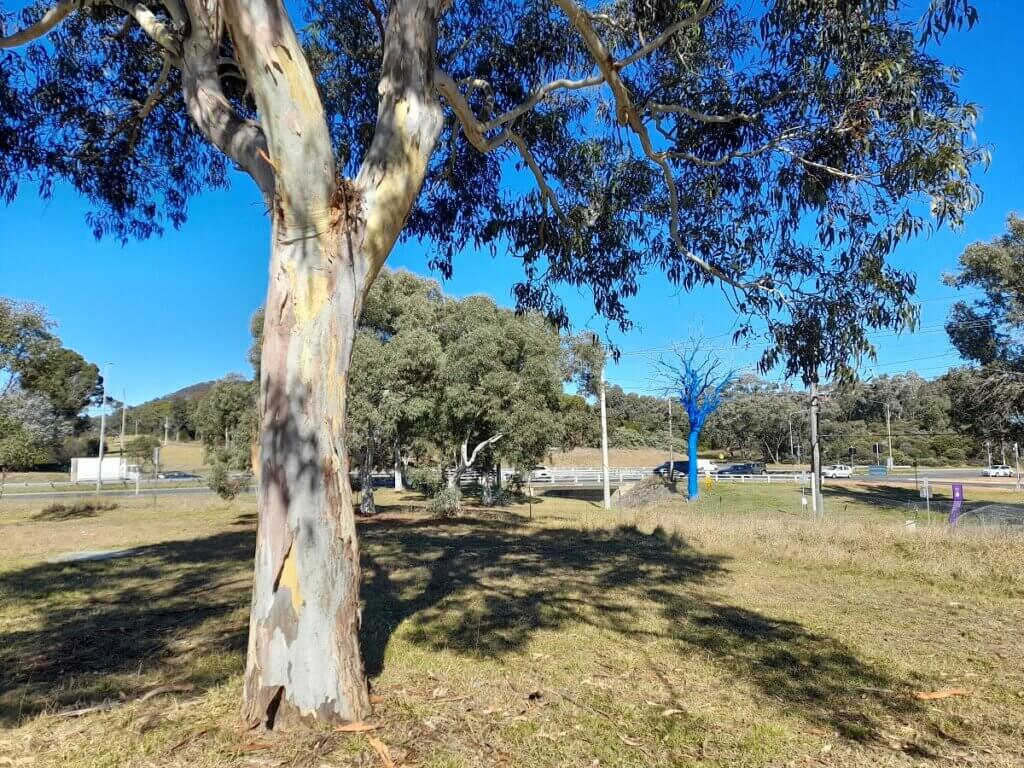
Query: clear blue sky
point(172, 311)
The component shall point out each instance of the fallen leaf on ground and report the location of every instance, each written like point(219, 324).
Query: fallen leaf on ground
point(162, 689)
point(255, 746)
point(382, 751)
point(670, 712)
point(629, 741)
point(945, 693)
point(357, 727)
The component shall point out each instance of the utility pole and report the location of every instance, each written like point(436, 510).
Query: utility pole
point(789, 419)
point(988, 449)
point(604, 443)
point(1016, 460)
point(817, 503)
point(671, 455)
point(888, 435)
point(124, 418)
point(167, 429)
point(103, 426)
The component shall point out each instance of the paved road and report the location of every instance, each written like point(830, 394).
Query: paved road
point(83, 494)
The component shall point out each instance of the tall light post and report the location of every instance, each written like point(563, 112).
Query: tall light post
point(604, 442)
point(888, 430)
point(789, 419)
point(103, 425)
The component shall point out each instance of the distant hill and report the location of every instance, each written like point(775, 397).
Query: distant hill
point(192, 391)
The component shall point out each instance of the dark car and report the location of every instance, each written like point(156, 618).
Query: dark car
point(678, 468)
point(177, 475)
point(749, 468)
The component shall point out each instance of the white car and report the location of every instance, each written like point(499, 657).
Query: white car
point(997, 470)
point(837, 470)
point(540, 474)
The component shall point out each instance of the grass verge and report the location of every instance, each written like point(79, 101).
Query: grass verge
point(714, 634)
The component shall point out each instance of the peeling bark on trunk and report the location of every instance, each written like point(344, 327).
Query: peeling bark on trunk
point(304, 660)
point(330, 237)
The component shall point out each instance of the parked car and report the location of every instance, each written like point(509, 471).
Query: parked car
point(747, 468)
point(837, 470)
point(997, 470)
point(704, 467)
point(540, 474)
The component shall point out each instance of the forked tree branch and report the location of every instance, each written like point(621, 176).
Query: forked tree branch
point(539, 95)
point(475, 134)
point(157, 30)
point(50, 19)
point(156, 93)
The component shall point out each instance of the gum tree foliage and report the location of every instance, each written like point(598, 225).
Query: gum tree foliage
point(31, 430)
point(225, 416)
point(990, 329)
point(499, 382)
point(755, 417)
point(33, 359)
point(779, 149)
point(394, 370)
point(698, 379)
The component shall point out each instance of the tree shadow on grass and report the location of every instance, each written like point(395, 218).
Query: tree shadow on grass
point(479, 587)
point(483, 589)
point(101, 622)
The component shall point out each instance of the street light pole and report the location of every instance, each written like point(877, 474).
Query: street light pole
point(789, 419)
point(103, 427)
point(888, 434)
point(671, 454)
point(817, 501)
point(604, 444)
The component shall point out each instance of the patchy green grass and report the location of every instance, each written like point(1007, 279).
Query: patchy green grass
point(733, 632)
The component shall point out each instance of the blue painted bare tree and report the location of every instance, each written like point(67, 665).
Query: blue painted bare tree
point(698, 378)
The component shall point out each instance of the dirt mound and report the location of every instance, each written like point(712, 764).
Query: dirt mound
point(646, 493)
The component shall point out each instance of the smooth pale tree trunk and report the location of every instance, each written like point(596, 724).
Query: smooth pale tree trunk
point(367, 507)
point(466, 459)
point(304, 660)
point(399, 479)
point(329, 238)
point(692, 484)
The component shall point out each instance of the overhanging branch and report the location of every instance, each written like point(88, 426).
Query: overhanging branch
point(474, 130)
point(50, 19)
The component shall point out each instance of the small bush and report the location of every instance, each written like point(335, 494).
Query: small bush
point(223, 484)
point(426, 481)
point(445, 503)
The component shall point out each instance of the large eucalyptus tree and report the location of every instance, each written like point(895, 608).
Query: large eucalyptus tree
point(780, 149)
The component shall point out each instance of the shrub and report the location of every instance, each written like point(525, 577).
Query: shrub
point(445, 503)
point(426, 481)
point(221, 481)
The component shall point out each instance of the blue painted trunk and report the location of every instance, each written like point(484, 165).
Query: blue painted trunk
point(692, 486)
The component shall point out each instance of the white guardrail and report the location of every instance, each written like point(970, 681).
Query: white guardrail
point(617, 476)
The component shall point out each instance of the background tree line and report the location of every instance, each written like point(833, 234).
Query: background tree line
point(44, 388)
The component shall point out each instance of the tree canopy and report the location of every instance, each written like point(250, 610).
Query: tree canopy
point(780, 150)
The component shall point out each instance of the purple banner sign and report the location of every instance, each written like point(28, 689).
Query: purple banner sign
point(958, 501)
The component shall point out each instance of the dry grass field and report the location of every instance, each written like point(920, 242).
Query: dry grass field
point(730, 632)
